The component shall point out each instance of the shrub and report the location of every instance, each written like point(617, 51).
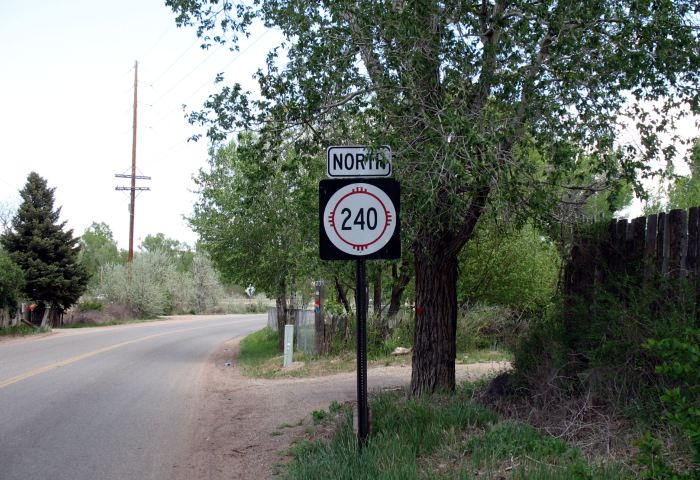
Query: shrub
point(90, 305)
point(140, 289)
point(484, 326)
point(514, 267)
point(153, 286)
point(681, 368)
point(599, 337)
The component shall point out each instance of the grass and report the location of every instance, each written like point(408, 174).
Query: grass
point(256, 350)
point(109, 323)
point(22, 330)
point(440, 436)
point(259, 358)
point(236, 305)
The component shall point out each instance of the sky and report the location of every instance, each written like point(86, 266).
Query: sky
point(66, 90)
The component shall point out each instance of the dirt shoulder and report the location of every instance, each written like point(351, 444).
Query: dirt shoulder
point(243, 426)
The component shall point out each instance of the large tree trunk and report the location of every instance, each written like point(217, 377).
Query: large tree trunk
point(55, 317)
point(43, 310)
point(281, 303)
point(436, 315)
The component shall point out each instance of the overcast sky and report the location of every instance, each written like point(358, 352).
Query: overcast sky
point(66, 90)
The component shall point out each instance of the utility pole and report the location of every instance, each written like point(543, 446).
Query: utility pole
point(133, 175)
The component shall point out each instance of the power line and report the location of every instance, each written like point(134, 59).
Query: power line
point(157, 42)
point(189, 73)
point(209, 81)
point(175, 61)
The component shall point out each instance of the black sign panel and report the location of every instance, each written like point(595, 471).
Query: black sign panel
point(359, 219)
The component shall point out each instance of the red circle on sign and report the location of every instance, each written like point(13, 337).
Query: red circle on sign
point(387, 218)
point(364, 235)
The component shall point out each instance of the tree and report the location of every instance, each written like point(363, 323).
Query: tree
point(462, 91)
point(205, 279)
point(253, 219)
point(10, 285)
point(46, 252)
point(506, 265)
point(685, 191)
point(7, 211)
point(98, 249)
point(179, 251)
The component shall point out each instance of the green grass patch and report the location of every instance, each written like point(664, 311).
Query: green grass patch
point(440, 436)
point(22, 331)
point(256, 350)
point(110, 323)
point(259, 358)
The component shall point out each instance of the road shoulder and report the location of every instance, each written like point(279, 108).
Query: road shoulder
point(243, 426)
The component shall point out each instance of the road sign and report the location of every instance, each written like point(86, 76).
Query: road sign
point(358, 161)
point(359, 219)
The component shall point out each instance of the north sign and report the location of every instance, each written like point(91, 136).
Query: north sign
point(358, 161)
point(359, 219)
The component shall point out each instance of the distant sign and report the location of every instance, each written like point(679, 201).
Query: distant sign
point(359, 219)
point(358, 161)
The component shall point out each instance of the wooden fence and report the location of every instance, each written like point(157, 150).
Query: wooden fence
point(667, 244)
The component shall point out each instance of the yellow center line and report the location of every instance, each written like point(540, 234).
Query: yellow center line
point(77, 358)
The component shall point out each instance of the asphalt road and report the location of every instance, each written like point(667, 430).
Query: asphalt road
point(106, 403)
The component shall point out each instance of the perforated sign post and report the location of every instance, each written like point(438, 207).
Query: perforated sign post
point(359, 220)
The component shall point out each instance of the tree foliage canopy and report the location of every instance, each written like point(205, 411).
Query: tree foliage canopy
point(44, 250)
point(179, 251)
point(463, 92)
point(253, 215)
point(685, 191)
point(515, 267)
point(98, 248)
point(11, 281)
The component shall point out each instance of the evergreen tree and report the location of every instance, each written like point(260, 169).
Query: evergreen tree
point(46, 252)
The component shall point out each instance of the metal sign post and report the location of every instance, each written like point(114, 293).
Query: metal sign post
point(361, 309)
point(359, 220)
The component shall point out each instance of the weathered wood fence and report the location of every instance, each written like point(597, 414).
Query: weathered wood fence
point(667, 244)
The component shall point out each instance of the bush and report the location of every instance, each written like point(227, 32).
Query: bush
point(11, 282)
point(482, 326)
point(599, 337)
point(153, 286)
point(517, 268)
point(89, 305)
point(681, 368)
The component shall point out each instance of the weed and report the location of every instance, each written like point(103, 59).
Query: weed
point(23, 330)
point(318, 416)
point(440, 436)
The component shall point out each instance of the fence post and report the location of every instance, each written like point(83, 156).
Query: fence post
point(288, 344)
point(319, 321)
point(677, 222)
point(662, 244)
point(691, 256)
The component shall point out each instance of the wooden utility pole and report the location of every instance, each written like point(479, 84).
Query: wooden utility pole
point(132, 206)
point(133, 175)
